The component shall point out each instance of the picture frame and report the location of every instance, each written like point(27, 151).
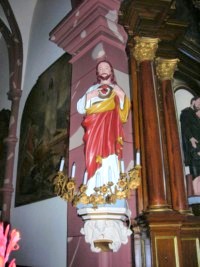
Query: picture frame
point(44, 133)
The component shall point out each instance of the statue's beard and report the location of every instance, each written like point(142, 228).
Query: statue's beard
point(104, 78)
point(196, 108)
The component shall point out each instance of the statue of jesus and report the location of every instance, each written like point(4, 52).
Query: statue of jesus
point(106, 108)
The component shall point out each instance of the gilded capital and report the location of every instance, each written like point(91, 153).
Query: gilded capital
point(145, 48)
point(165, 68)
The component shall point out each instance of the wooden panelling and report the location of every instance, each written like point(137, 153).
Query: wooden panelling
point(190, 252)
point(166, 249)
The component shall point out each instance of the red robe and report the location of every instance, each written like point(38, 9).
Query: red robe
point(104, 131)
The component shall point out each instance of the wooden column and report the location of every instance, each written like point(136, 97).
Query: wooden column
point(137, 126)
point(144, 53)
point(165, 70)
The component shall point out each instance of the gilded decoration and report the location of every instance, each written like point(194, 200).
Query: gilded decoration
point(165, 68)
point(65, 187)
point(145, 48)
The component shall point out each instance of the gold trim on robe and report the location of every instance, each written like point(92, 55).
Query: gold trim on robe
point(108, 105)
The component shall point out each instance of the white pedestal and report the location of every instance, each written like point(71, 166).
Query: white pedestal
point(106, 227)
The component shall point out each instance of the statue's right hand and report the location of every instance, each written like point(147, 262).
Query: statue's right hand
point(194, 142)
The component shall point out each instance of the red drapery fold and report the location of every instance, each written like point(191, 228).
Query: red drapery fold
point(103, 137)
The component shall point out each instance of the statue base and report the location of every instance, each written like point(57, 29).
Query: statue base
point(106, 227)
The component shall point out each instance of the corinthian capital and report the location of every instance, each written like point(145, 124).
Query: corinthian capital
point(165, 68)
point(145, 48)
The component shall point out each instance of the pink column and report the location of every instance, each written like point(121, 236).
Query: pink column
point(11, 141)
point(14, 44)
point(91, 33)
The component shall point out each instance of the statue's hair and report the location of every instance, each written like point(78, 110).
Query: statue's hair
point(194, 99)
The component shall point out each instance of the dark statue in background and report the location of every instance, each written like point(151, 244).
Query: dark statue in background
point(190, 130)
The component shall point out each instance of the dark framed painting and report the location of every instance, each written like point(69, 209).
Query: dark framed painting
point(44, 133)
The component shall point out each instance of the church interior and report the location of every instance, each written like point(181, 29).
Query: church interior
point(49, 56)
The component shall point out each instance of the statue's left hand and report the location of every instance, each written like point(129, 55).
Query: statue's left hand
point(119, 92)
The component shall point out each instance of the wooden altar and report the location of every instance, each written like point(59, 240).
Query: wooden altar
point(166, 228)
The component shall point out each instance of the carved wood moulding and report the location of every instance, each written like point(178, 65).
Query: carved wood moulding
point(151, 19)
point(171, 22)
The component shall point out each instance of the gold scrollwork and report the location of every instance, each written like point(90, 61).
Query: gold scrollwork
point(165, 68)
point(145, 48)
point(65, 187)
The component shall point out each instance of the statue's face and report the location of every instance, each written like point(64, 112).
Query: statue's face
point(198, 113)
point(197, 104)
point(104, 69)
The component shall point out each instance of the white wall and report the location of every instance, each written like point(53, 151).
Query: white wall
point(24, 11)
point(42, 224)
point(182, 97)
point(43, 233)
